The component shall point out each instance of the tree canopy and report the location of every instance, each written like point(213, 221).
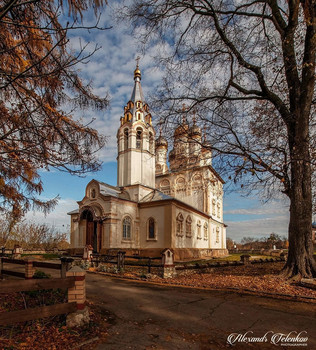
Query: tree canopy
point(248, 69)
point(39, 91)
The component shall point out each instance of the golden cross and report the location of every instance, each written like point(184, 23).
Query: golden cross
point(137, 60)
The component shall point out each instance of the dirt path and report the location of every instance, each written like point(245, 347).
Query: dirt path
point(146, 316)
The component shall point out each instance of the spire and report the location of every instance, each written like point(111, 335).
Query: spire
point(137, 109)
point(137, 94)
point(137, 73)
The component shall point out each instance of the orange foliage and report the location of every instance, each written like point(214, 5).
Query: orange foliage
point(37, 76)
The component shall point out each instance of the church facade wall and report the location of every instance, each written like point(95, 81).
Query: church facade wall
point(122, 210)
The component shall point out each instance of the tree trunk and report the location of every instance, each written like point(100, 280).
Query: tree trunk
point(300, 262)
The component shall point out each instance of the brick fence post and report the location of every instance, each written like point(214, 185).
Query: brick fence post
point(245, 259)
point(78, 294)
point(29, 269)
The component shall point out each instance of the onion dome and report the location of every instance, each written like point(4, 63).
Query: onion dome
point(181, 130)
point(195, 130)
point(161, 142)
point(137, 73)
point(172, 155)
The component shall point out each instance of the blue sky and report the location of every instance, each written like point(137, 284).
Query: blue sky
point(111, 72)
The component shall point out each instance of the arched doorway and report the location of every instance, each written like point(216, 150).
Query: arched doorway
point(91, 230)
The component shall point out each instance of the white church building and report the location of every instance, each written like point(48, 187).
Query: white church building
point(154, 206)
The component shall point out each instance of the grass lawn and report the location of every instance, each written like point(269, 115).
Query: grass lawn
point(230, 257)
point(48, 256)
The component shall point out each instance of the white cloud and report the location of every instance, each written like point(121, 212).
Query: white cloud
point(263, 210)
point(58, 217)
point(258, 227)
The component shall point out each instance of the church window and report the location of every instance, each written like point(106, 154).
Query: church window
point(181, 185)
point(125, 139)
point(93, 193)
point(197, 182)
point(127, 228)
point(218, 210)
point(151, 228)
point(139, 132)
point(151, 143)
point(179, 224)
point(217, 234)
point(213, 207)
point(199, 229)
point(205, 231)
point(165, 186)
point(188, 226)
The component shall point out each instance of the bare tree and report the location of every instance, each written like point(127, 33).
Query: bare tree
point(39, 92)
point(31, 235)
point(249, 69)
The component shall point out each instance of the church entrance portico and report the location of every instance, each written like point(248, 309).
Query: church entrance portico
point(93, 229)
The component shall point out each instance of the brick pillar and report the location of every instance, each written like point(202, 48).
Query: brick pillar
point(29, 269)
point(78, 292)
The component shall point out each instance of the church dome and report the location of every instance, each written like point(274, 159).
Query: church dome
point(195, 130)
point(172, 155)
point(137, 73)
point(161, 141)
point(181, 130)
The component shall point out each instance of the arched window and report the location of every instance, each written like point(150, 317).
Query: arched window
point(165, 186)
point(198, 225)
point(217, 234)
point(151, 229)
point(205, 231)
point(125, 139)
point(139, 133)
point(188, 226)
point(127, 223)
point(179, 224)
point(158, 168)
point(213, 206)
point(218, 210)
point(93, 193)
point(151, 143)
point(181, 185)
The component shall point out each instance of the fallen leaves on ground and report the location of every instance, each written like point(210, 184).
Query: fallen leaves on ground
point(257, 278)
point(52, 333)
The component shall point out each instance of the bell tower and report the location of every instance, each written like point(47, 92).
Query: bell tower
point(136, 141)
